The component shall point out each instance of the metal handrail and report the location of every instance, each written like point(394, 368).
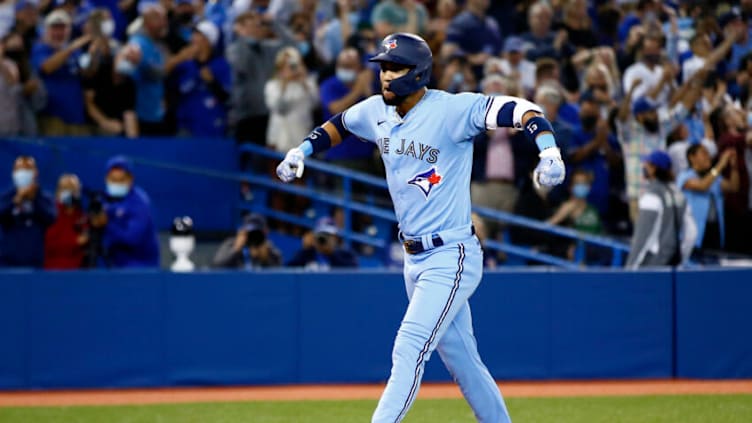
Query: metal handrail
point(530, 254)
point(319, 165)
point(514, 219)
point(348, 175)
point(320, 196)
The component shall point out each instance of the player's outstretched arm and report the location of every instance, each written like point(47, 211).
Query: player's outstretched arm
point(321, 138)
point(515, 112)
point(550, 170)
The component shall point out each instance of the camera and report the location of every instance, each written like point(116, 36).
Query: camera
point(96, 203)
point(322, 240)
point(255, 238)
point(94, 254)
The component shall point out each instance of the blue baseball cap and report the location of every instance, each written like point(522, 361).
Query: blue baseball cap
point(146, 5)
point(120, 162)
point(23, 4)
point(642, 105)
point(326, 225)
point(513, 44)
point(252, 222)
point(659, 159)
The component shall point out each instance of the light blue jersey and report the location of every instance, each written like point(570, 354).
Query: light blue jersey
point(428, 153)
point(428, 157)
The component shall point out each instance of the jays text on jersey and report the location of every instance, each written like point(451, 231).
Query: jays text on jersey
point(428, 152)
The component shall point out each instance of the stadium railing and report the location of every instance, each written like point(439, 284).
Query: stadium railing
point(382, 231)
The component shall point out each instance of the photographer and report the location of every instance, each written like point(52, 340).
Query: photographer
point(323, 251)
point(249, 248)
point(130, 237)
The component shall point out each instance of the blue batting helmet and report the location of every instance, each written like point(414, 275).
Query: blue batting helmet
point(409, 50)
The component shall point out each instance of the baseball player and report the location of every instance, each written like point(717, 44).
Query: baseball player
point(425, 140)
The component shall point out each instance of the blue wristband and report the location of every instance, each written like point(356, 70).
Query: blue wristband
point(306, 147)
point(545, 141)
point(317, 141)
point(539, 129)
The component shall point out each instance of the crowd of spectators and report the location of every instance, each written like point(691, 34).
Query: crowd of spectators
point(618, 79)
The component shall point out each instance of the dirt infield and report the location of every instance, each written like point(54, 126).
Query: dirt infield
point(333, 392)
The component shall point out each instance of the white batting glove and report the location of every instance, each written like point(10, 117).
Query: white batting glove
point(550, 170)
point(292, 166)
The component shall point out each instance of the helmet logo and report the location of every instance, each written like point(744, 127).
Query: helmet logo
point(391, 44)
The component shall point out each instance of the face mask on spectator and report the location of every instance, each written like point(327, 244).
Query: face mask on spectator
point(108, 27)
point(125, 67)
point(117, 190)
point(65, 197)
point(304, 47)
point(458, 78)
point(346, 76)
point(84, 60)
point(581, 190)
point(23, 178)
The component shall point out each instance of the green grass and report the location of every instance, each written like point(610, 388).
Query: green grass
point(644, 409)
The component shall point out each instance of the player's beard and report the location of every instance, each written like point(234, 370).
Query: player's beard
point(394, 101)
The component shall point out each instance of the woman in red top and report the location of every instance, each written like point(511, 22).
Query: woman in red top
point(66, 239)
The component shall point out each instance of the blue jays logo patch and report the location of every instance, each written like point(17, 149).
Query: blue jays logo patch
point(391, 44)
point(426, 180)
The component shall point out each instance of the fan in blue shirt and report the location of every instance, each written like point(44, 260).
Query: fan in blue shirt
point(56, 61)
point(203, 84)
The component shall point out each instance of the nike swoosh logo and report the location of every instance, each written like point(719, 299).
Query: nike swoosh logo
point(380, 122)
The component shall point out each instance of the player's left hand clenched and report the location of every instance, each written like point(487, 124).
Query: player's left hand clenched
point(292, 166)
point(550, 170)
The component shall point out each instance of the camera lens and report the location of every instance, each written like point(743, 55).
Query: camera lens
point(256, 238)
point(321, 239)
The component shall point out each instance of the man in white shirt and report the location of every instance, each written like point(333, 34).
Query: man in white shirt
point(649, 71)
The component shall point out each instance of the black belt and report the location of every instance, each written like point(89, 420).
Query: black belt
point(415, 245)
